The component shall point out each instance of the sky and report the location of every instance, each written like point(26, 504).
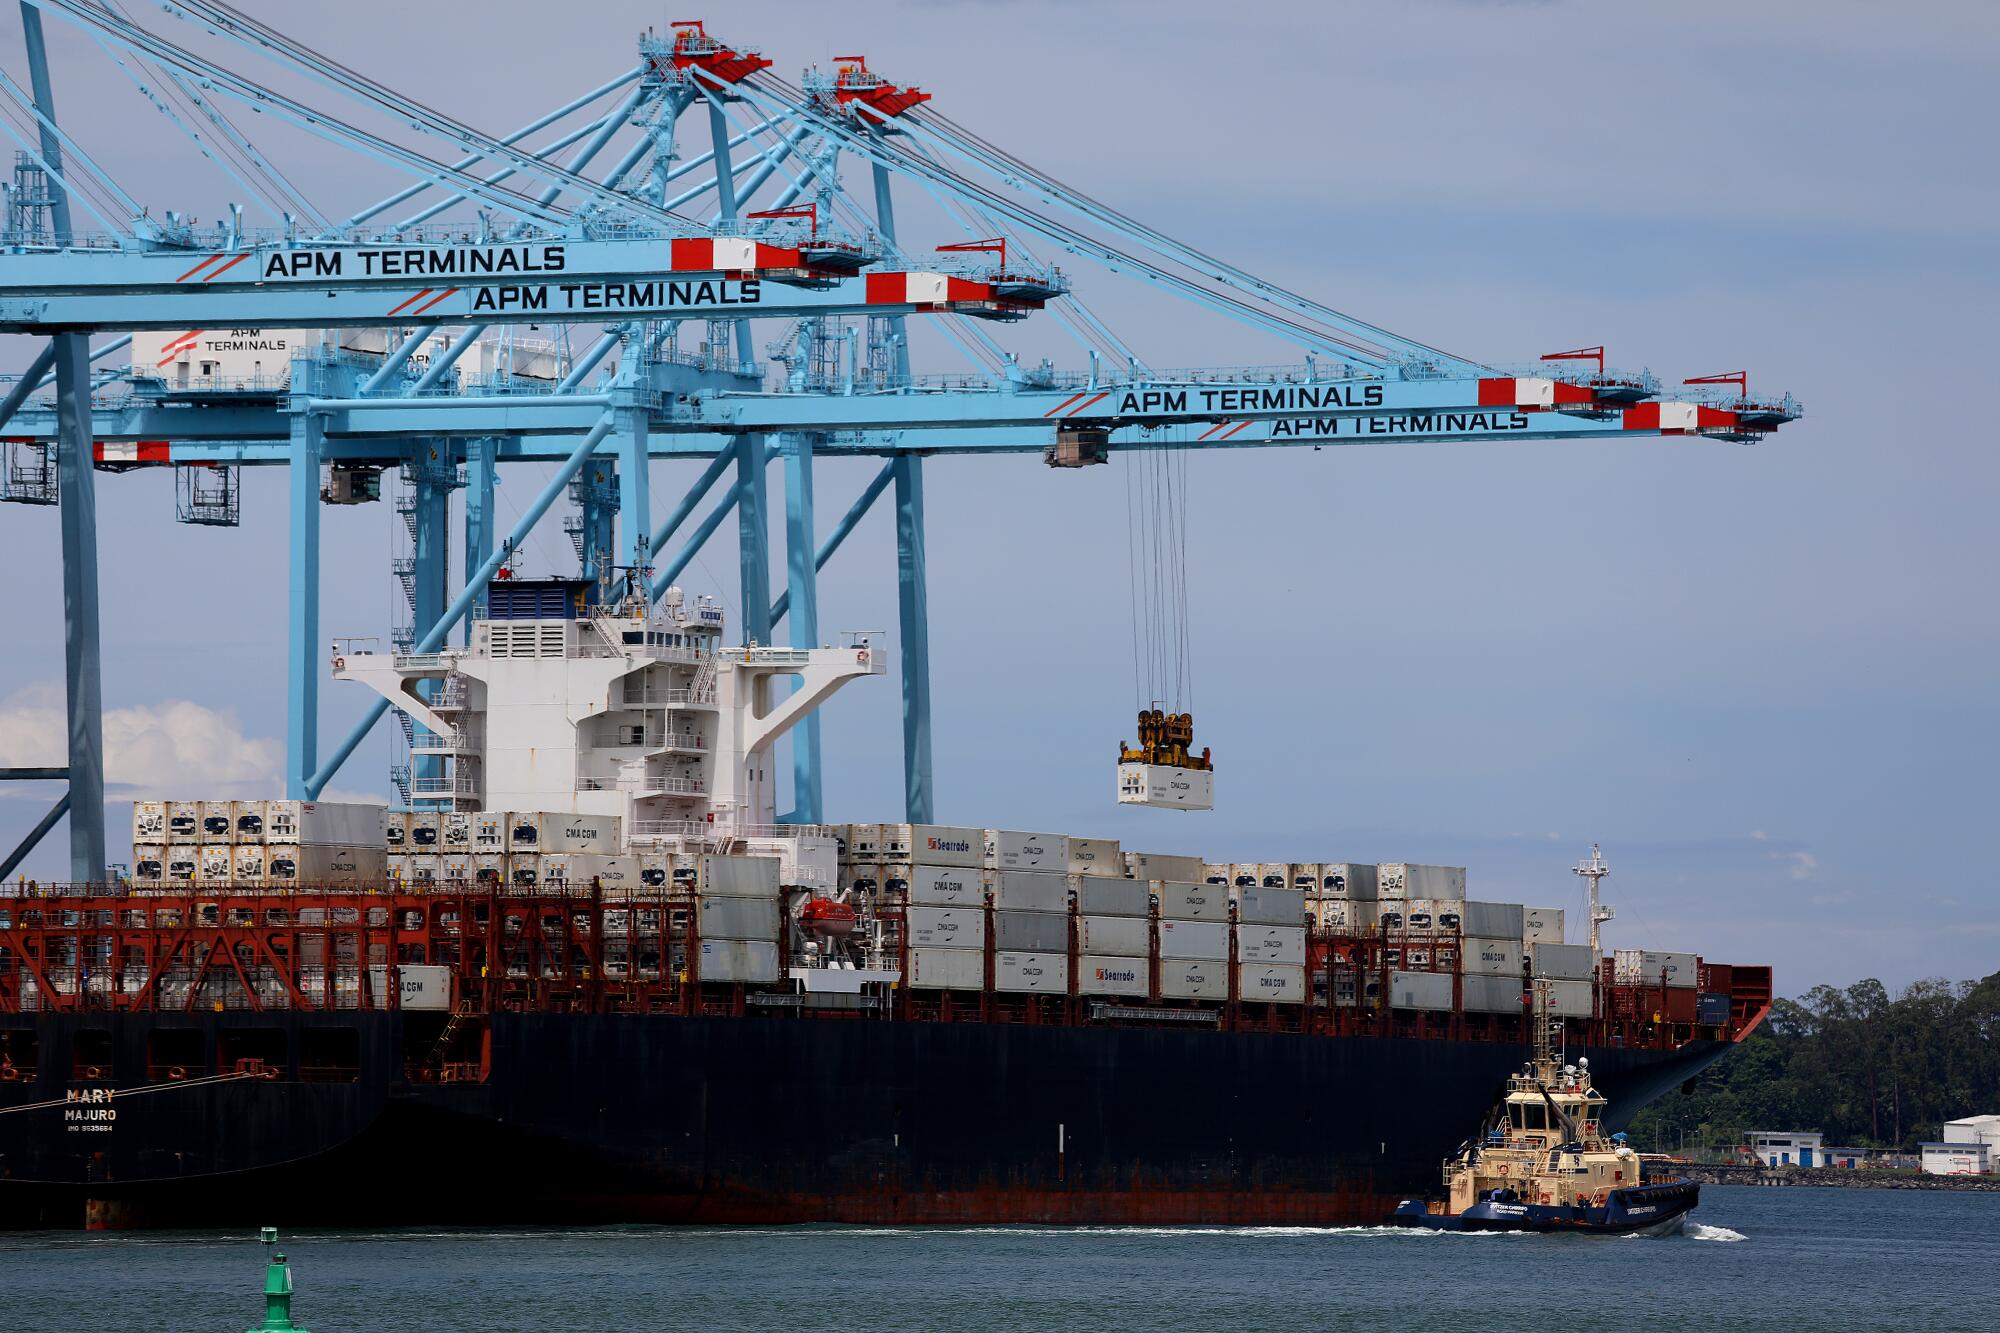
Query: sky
point(1763, 679)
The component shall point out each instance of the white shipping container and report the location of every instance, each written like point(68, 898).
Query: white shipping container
point(1542, 925)
point(423, 986)
point(1098, 974)
point(655, 869)
point(1008, 850)
point(1031, 932)
point(1491, 994)
point(397, 864)
point(183, 821)
point(426, 835)
point(489, 831)
point(611, 872)
point(1571, 999)
point(1097, 895)
point(396, 830)
point(1401, 879)
point(555, 831)
point(216, 825)
point(1243, 875)
point(1305, 877)
point(326, 823)
point(1116, 936)
point(1271, 907)
point(1271, 983)
point(1274, 875)
point(1271, 944)
point(942, 886)
point(945, 927)
point(864, 842)
point(1420, 990)
point(754, 962)
point(149, 822)
point(1207, 941)
point(1679, 969)
point(1493, 958)
point(182, 861)
point(1494, 921)
point(290, 863)
point(739, 876)
point(246, 863)
point(149, 861)
point(1042, 973)
point(1563, 962)
point(1192, 902)
point(455, 831)
point(1187, 979)
point(737, 918)
point(1030, 891)
point(1335, 914)
point(455, 868)
point(213, 863)
point(1096, 856)
point(947, 969)
point(489, 869)
point(248, 819)
point(1153, 865)
point(1353, 880)
point(1215, 872)
point(933, 844)
point(426, 867)
point(524, 869)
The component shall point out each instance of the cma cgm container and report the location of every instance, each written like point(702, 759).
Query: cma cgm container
point(1154, 865)
point(1271, 944)
point(945, 927)
point(1095, 856)
point(1493, 958)
point(549, 831)
point(1542, 925)
point(1193, 902)
point(940, 886)
point(1271, 983)
point(1031, 972)
point(1006, 850)
point(319, 864)
point(1193, 979)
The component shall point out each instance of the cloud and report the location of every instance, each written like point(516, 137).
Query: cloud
point(171, 748)
point(1803, 863)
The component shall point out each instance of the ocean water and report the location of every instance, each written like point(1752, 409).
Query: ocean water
point(1755, 1259)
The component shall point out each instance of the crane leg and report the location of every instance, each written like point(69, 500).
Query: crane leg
point(302, 621)
point(479, 456)
point(802, 609)
point(753, 540)
point(914, 608)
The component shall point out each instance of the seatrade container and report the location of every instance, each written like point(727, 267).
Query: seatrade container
point(1204, 941)
point(1192, 902)
point(1115, 936)
point(1007, 850)
point(753, 962)
point(1097, 895)
point(934, 845)
point(1031, 972)
point(1271, 907)
point(947, 969)
point(941, 886)
point(1031, 932)
point(1271, 944)
point(1030, 891)
point(945, 927)
point(1096, 856)
point(1271, 983)
point(1101, 974)
point(1193, 979)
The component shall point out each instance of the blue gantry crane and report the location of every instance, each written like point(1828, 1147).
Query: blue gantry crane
point(407, 348)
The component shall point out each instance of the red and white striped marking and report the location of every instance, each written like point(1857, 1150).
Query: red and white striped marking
point(729, 254)
point(179, 343)
point(1079, 399)
point(133, 451)
point(924, 289)
point(1218, 426)
point(1679, 418)
point(1533, 392)
point(213, 273)
point(434, 296)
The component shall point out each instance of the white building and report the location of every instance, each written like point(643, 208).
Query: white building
point(1975, 1129)
point(1792, 1147)
point(1957, 1159)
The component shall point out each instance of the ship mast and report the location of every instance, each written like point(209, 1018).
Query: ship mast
point(1594, 870)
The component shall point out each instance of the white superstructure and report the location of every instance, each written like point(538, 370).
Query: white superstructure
point(562, 705)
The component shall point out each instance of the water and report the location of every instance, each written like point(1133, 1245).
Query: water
point(1758, 1259)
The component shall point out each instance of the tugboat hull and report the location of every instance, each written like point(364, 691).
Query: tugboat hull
point(1644, 1210)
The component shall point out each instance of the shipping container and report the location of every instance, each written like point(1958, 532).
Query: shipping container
point(396, 863)
point(1189, 979)
point(1711, 1009)
point(1098, 896)
point(455, 868)
point(1491, 994)
point(1207, 941)
point(1431, 914)
point(423, 986)
point(1564, 962)
point(1097, 974)
point(864, 842)
point(524, 869)
point(1216, 873)
point(425, 833)
point(1391, 916)
point(1542, 925)
point(1271, 983)
point(557, 869)
point(1115, 936)
point(1334, 914)
point(1570, 999)
point(1399, 879)
point(1192, 902)
point(149, 822)
point(556, 831)
point(1243, 875)
point(1154, 866)
point(945, 927)
point(455, 831)
point(489, 831)
point(1271, 906)
point(933, 844)
point(1274, 875)
point(1494, 921)
point(1353, 880)
point(1305, 877)
point(737, 918)
point(216, 824)
point(246, 863)
point(655, 869)
point(1653, 967)
point(426, 868)
point(248, 817)
point(1493, 958)
point(1040, 973)
point(183, 821)
point(947, 969)
point(1271, 944)
point(1008, 850)
point(489, 869)
point(754, 962)
point(1030, 891)
point(212, 863)
point(1031, 932)
point(1420, 990)
point(1096, 856)
point(326, 824)
point(396, 830)
point(149, 860)
point(739, 876)
point(607, 871)
point(317, 864)
point(182, 862)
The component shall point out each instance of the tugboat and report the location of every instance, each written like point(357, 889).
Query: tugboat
point(1545, 1164)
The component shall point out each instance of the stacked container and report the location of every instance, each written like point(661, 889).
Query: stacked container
point(1114, 936)
point(1030, 910)
point(1150, 866)
point(1271, 944)
point(1542, 925)
point(737, 916)
point(1402, 880)
point(1194, 940)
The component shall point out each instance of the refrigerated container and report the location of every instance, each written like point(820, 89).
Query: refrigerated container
point(396, 830)
point(1271, 983)
point(1115, 936)
point(754, 962)
point(1099, 974)
point(1243, 875)
point(1097, 895)
point(1154, 866)
point(1305, 877)
point(1192, 902)
point(426, 868)
point(426, 836)
point(1216, 872)
point(455, 868)
point(1192, 979)
point(182, 862)
point(1036, 973)
point(455, 831)
point(1009, 850)
point(524, 870)
point(396, 863)
point(737, 918)
point(1353, 880)
point(1271, 906)
point(317, 864)
point(149, 861)
point(247, 818)
point(1031, 932)
point(608, 871)
point(864, 842)
point(489, 831)
point(217, 824)
point(213, 862)
point(1271, 944)
point(489, 869)
point(932, 844)
point(1030, 891)
point(326, 823)
point(947, 969)
point(1654, 967)
point(552, 831)
point(1274, 875)
point(1095, 856)
point(246, 863)
point(1207, 941)
point(945, 927)
point(184, 821)
point(655, 869)
point(1403, 879)
point(149, 822)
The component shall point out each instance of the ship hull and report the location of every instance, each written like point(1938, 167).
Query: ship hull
point(593, 1118)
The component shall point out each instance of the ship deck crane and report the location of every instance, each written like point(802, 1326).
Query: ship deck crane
point(505, 234)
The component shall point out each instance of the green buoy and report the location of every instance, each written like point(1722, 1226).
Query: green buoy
point(277, 1290)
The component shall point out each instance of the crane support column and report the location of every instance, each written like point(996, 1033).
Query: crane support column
point(302, 623)
point(598, 491)
point(913, 604)
point(635, 496)
point(753, 537)
point(433, 477)
point(802, 590)
point(479, 457)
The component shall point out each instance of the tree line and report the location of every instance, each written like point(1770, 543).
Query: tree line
point(1864, 1069)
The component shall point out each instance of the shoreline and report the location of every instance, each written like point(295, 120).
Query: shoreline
point(1831, 1177)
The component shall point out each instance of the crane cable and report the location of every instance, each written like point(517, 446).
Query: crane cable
point(1156, 498)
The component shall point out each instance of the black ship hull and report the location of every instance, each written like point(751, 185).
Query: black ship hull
point(593, 1118)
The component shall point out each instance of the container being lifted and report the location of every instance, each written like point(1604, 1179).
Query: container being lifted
point(1162, 769)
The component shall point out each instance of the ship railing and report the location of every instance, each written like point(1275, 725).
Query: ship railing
point(653, 694)
point(670, 786)
point(446, 786)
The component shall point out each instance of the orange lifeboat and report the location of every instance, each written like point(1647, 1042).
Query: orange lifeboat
point(824, 916)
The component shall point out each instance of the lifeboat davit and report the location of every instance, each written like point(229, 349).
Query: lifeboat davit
point(824, 916)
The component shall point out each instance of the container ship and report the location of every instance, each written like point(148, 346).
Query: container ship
point(594, 979)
